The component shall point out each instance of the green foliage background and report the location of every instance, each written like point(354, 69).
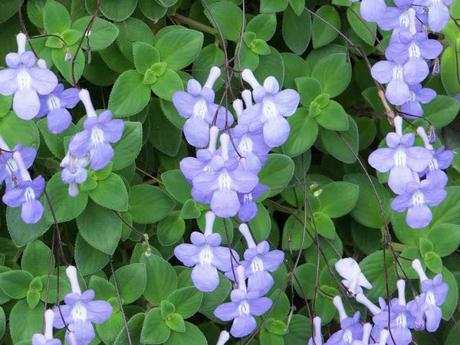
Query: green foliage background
point(323, 202)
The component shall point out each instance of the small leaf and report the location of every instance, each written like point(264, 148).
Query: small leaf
point(154, 330)
point(56, 18)
point(131, 281)
point(175, 322)
point(111, 193)
point(227, 17)
point(325, 26)
point(148, 204)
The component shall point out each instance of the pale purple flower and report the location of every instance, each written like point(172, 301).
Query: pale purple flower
point(438, 14)
point(74, 172)
point(400, 20)
point(248, 206)
point(198, 107)
point(354, 280)
point(408, 46)
point(372, 10)
point(317, 338)
point(400, 158)
point(206, 256)
point(47, 337)
point(416, 199)
point(419, 95)
point(97, 136)
point(270, 109)
point(9, 170)
point(244, 306)
point(259, 261)
point(425, 307)
point(221, 185)
point(80, 312)
point(350, 327)
point(54, 106)
point(25, 80)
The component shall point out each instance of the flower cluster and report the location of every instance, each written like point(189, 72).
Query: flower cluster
point(92, 147)
point(206, 256)
point(415, 173)
point(393, 322)
point(227, 177)
point(77, 316)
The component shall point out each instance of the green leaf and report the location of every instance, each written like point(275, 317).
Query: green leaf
point(442, 110)
point(145, 56)
point(333, 117)
point(338, 198)
point(111, 193)
point(272, 6)
point(261, 224)
point(152, 10)
point(108, 331)
point(33, 298)
point(187, 301)
point(379, 272)
point(134, 329)
point(308, 89)
point(20, 232)
point(175, 322)
point(298, 6)
point(148, 204)
point(277, 173)
point(100, 227)
point(89, 260)
point(133, 30)
point(295, 235)
point(304, 131)
point(166, 308)
point(227, 17)
point(56, 18)
point(2, 323)
point(180, 47)
point(65, 207)
point(176, 185)
point(54, 142)
point(166, 85)
point(344, 145)
point(433, 261)
point(211, 55)
point(154, 330)
point(171, 229)
point(296, 30)
point(325, 26)
point(118, 10)
point(450, 71)
point(365, 30)
point(161, 278)
point(299, 330)
point(16, 131)
point(24, 322)
point(263, 25)
point(7, 9)
point(305, 288)
point(271, 65)
point(15, 284)
point(129, 94)
point(190, 210)
point(333, 73)
point(65, 67)
point(192, 335)
point(103, 33)
point(451, 303)
point(445, 237)
point(5, 104)
point(37, 258)
point(131, 280)
point(129, 146)
point(260, 47)
point(324, 225)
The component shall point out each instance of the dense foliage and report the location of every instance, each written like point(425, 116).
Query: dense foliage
point(172, 169)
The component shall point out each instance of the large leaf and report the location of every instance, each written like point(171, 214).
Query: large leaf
point(226, 17)
point(148, 204)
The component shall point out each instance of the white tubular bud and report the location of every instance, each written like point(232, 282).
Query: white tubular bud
point(340, 308)
point(21, 40)
point(383, 336)
point(213, 134)
point(247, 98)
point(41, 63)
point(71, 272)
point(317, 331)
point(224, 141)
point(401, 284)
point(223, 338)
point(367, 329)
point(249, 78)
point(398, 121)
point(49, 318)
point(73, 190)
point(86, 100)
point(417, 266)
point(210, 217)
point(360, 298)
point(241, 278)
point(21, 166)
point(244, 229)
point(214, 74)
point(3, 145)
point(238, 106)
point(426, 141)
point(412, 21)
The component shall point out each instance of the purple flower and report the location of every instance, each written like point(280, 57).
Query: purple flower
point(317, 338)
point(248, 206)
point(416, 198)
point(354, 279)
point(372, 10)
point(80, 312)
point(55, 106)
point(399, 319)
point(270, 109)
point(259, 261)
point(407, 46)
point(400, 158)
point(222, 184)
point(46, 338)
point(206, 256)
point(438, 14)
point(9, 170)
point(244, 306)
point(98, 135)
point(74, 172)
point(425, 307)
point(412, 109)
point(25, 80)
point(198, 107)
point(350, 327)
